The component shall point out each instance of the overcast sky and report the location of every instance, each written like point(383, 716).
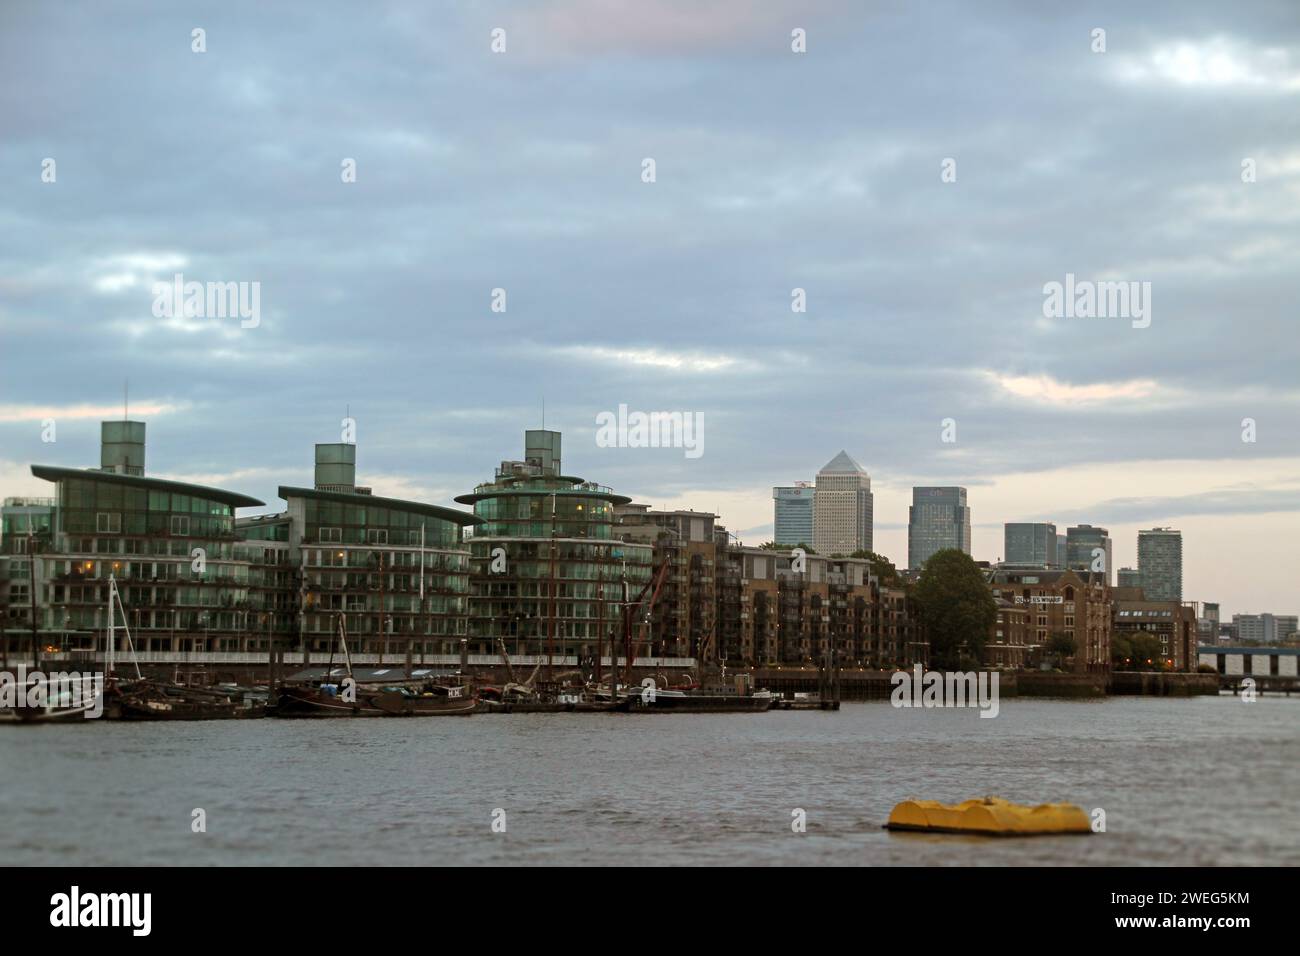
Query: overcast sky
point(522, 170)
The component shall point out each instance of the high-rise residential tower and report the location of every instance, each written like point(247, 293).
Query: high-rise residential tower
point(1160, 564)
point(1088, 549)
point(938, 519)
point(842, 508)
point(793, 520)
point(548, 564)
point(1208, 624)
point(1033, 544)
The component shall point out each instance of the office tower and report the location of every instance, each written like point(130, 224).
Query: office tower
point(842, 507)
point(1263, 628)
point(1160, 564)
point(1084, 546)
point(938, 518)
point(1128, 578)
point(1031, 544)
point(793, 521)
point(1060, 551)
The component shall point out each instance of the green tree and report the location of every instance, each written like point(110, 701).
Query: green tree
point(1121, 651)
point(773, 546)
point(1061, 646)
point(955, 606)
point(881, 566)
point(1147, 653)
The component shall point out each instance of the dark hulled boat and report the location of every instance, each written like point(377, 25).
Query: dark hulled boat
point(371, 694)
point(699, 702)
point(75, 700)
point(392, 700)
point(152, 700)
point(647, 699)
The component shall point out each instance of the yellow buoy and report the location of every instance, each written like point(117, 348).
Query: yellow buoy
point(991, 816)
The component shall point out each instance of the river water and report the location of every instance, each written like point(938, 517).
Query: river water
point(1201, 781)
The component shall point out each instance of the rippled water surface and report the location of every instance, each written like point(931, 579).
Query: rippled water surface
point(1207, 781)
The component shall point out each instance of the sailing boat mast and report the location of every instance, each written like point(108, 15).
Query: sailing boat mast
point(115, 594)
point(550, 618)
point(410, 637)
point(112, 630)
point(130, 643)
point(343, 640)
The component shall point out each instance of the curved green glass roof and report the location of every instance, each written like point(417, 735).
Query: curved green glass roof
point(494, 491)
point(232, 498)
point(461, 518)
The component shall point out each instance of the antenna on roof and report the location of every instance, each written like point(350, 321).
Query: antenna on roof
point(126, 382)
point(543, 413)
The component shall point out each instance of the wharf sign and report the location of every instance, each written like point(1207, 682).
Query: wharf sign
point(1041, 599)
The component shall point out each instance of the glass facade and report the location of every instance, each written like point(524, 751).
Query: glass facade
point(1029, 543)
point(1160, 564)
point(361, 557)
point(793, 517)
point(547, 565)
point(21, 517)
point(172, 549)
point(1089, 548)
point(938, 519)
point(194, 579)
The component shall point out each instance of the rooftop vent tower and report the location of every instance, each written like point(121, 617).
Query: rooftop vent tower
point(542, 449)
point(121, 447)
point(336, 467)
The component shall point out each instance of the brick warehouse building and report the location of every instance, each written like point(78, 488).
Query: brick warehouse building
point(723, 602)
point(1172, 622)
point(1073, 603)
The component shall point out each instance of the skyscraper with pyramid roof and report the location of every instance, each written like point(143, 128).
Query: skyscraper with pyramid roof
point(842, 507)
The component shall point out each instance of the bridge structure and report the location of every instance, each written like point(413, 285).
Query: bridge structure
point(1269, 669)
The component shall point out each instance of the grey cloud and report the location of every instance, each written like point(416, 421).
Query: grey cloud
point(522, 171)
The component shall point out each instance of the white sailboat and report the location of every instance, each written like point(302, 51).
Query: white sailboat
point(64, 695)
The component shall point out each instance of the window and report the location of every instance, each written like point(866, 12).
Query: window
point(180, 524)
point(377, 536)
point(331, 535)
point(108, 522)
